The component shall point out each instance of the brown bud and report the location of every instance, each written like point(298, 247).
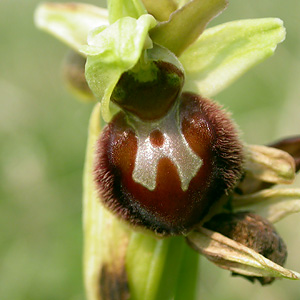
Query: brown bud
point(73, 73)
point(290, 145)
point(165, 175)
point(254, 232)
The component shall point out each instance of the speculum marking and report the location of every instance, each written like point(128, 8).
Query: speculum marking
point(174, 147)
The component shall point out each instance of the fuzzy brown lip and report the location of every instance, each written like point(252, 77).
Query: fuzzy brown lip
point(168, 209)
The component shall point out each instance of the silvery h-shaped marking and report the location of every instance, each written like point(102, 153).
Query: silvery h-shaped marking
point(174, 147)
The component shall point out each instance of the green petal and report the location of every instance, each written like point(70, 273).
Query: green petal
point(223, 53)
point(125, 8)
point(113, 51)
point(70, 22)
point(186, 24)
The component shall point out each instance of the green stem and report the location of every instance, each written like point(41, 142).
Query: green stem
point(161, 269)
point(187, 286)
point(105, 237)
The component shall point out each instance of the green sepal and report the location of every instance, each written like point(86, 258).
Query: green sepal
point(186, 24)
point(181, 3)
point(223, 53)
point(113, 51)
point(160, 9)
point(70, 22)
point(119, 9)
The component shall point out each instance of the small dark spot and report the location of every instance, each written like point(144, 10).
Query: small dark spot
point(156, 138)
point(113, 283)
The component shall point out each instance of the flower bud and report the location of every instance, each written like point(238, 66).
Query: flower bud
point(266, 166)
point(292, 146)
point(254, 232)
point(73, 75)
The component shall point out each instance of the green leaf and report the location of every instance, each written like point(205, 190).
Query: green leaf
point(125, 8)
point(70, 22)
point(186, 24)
point(105, 237)
point(223, 53)
point(113, 51)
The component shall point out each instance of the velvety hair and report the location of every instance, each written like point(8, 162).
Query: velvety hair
point(227, 147)
point(168, 210)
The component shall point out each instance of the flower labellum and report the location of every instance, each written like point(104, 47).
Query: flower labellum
point(163, 167)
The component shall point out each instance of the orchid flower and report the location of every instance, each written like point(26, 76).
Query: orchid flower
point(151, 66)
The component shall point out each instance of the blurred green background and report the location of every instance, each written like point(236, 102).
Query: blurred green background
point(43, 137)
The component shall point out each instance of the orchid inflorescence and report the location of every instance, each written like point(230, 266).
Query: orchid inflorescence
point(169, 172)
